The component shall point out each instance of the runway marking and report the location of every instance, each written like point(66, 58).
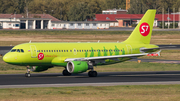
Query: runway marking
point(91, 84)
point(145, 75)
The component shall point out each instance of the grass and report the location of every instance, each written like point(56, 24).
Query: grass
point(14, 37)
point(89, 93)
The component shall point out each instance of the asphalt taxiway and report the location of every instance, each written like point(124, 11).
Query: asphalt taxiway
point(103, 79)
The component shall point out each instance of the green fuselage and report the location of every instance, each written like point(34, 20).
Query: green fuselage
point(54, 54)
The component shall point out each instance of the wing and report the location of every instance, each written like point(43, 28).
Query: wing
point(114, 57)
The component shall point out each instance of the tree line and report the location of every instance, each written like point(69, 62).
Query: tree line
point(141, 6)
point(68, 10)
point(80, 10)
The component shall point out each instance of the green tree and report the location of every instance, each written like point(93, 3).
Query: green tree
point(160, 25)
point(177, 5)
point(111, 4)
point(135, 7)
point(171, 25)
point(9, 6)
point(78, 12)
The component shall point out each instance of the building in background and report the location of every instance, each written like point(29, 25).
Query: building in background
point(18, 21)
point(79, 25)
point(126, 20)
point(46, 21)
point(115, 11)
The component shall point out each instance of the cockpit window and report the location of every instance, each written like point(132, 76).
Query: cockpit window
point(17, 50)
point(22, 50)
point(13, 50)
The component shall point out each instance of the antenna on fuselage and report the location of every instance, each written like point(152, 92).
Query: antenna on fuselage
point(30, 41)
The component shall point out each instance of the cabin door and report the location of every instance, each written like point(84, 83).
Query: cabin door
point(33, 51)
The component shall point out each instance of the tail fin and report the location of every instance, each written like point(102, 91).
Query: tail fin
point(142, 32)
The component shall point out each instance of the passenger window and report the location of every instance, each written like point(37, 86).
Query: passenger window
point(18, 50)
point(49, 50)
point(22, 50)
point(41, 50)
point(89, 50)
point(79, 50)
point(46, 50)
point(70, 50)
point(66, 50)
point(59, 50)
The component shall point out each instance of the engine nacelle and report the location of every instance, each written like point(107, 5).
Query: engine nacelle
point(39, 68)
point(77, 66)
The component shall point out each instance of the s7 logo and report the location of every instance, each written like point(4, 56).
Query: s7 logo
point(144, 29)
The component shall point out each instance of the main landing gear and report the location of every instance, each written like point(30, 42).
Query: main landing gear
point(28, 72)
point(66, 73)
point(92, 74)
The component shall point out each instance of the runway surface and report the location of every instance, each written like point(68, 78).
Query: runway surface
point(103, 79)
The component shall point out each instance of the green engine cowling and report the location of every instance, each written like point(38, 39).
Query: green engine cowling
point(39, 68)
point(77, 66)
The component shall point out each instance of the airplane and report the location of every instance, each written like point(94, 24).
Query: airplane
point(80, 57)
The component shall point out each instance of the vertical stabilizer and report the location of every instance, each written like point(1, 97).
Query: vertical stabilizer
point(142, 32)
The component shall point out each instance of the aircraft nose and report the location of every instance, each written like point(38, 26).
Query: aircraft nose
point(6, 58)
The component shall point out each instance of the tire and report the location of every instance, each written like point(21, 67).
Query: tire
point(27, 75)
point(66, 73)
point(92, 74)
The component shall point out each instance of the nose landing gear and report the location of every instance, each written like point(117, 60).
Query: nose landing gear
point(28, 72)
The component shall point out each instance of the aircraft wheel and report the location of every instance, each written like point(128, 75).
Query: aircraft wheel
point(92, 74)
point(66, 73)
point(27, 75)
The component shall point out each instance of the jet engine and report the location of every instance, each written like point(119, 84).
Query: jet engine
point(77, 66)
